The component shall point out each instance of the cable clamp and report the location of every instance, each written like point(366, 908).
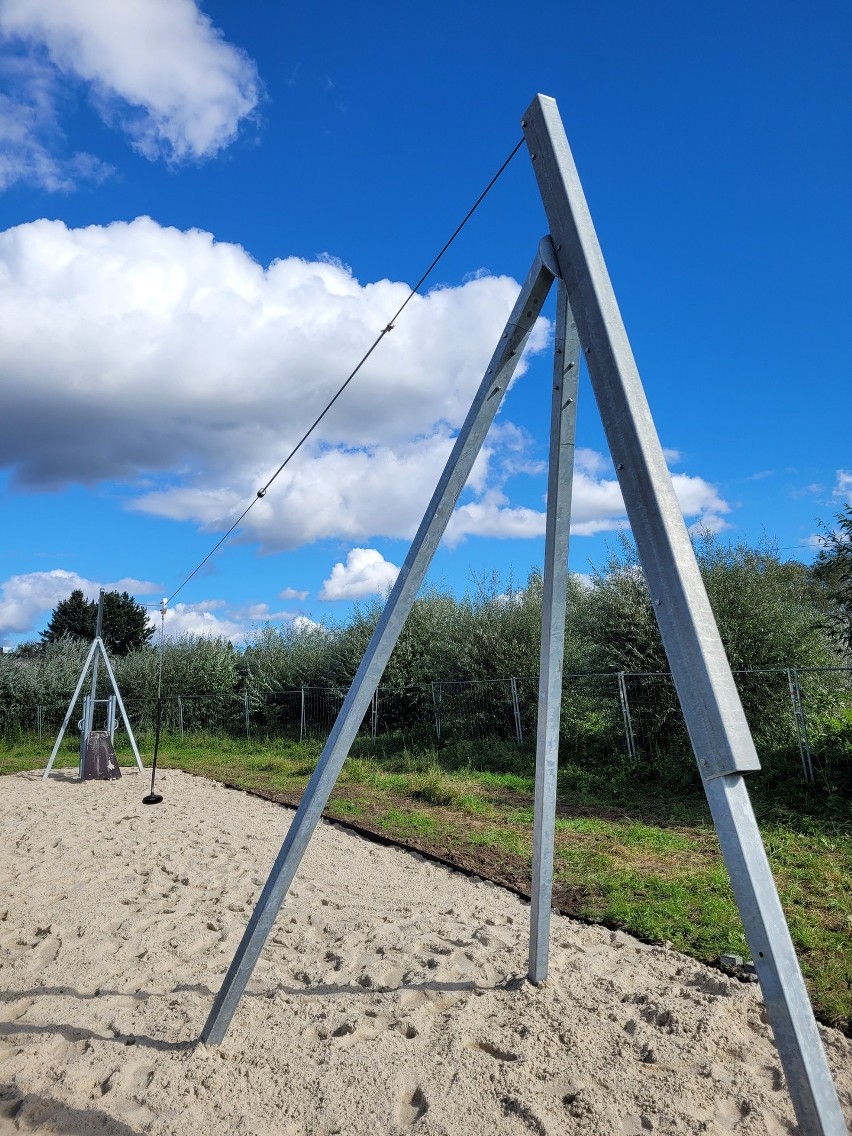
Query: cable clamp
point(261, 492)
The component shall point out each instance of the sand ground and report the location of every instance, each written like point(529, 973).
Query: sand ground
point(390, 997)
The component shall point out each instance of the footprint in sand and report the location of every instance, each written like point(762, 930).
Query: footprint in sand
point(411, 1106)
point(495, 1051)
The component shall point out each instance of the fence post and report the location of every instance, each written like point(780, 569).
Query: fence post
point(39, 719)
point(246, 706)
point(302, 717)
point(516, 710)
point(801, 724)
point(180, 715)
point(436, 707)
point(625, 714)
point(374, 714)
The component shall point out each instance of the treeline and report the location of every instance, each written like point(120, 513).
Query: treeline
point(770, 613)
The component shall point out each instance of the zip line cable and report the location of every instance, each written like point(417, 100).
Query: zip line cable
point(385, 330)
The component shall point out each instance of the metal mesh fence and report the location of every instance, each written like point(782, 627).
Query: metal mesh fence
point(801, 719)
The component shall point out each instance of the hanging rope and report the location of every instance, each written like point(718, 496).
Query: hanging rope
point(261, 493)
point(155, 798)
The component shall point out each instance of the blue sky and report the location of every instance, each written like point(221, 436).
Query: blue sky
point(208, 211)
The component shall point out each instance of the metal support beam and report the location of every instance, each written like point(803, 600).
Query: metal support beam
point(629, 739)
point(121, 708)
point(97, 649)
point(70, 710)
point(516, 711)
point(708, 696)
point(563, 429)
point(411, 575)
point(89, 708)
point(801, 721)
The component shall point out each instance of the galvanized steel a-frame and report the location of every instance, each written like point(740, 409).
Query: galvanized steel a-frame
point(589, 322)
point(97, 651)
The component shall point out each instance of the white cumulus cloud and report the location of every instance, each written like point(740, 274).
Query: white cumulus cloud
point(843, 486)
point(202, 368)
point(203, 620)
point(492, 515)
point(293, 594)
point(27, 598)
point(365, 573)
point(596, 506)
point(157, 69)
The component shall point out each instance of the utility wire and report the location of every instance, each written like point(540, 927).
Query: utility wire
point(385, 330)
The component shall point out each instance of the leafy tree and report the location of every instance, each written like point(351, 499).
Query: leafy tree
point(125, 624)
point(614, 620)
point(833, 574)
point(765, 608)
point(31, 649)
point(75, 616)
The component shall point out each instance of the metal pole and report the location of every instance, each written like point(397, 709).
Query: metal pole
point(89, 715)
point(436, 707)
point(516, 711)
point(246, 705)
point(151, 797)
point(89, 706)
point(180, 715)
point(121, 707)
point(85, 730)
point(625, 716)
point(452, 481)
point(563, 425)
point(302, 718)
point(711, 706)
point(39, 720)
point(801, 724)
point(111, 717)
point(98, 634)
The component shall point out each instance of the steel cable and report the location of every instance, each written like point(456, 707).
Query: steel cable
point(389, 326)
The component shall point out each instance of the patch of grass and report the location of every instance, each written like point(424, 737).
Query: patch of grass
point(695, 912)
point(511, 782)
point(360, 771)
point(406, 822)
point(347, 810)
point(474, 806)
point(520, 816)
point(435, 787)
point(505, 839)
point(457, 791)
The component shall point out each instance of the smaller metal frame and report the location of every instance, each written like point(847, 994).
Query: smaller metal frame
point(97, 652)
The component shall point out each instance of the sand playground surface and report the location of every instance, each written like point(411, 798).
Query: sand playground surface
point(390, 997)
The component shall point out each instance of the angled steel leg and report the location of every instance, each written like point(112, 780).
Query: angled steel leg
point(468, 445)
point(70, 710)
point(89, 714)
point(563, 428)
point(120, 702)
point(711, 706)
